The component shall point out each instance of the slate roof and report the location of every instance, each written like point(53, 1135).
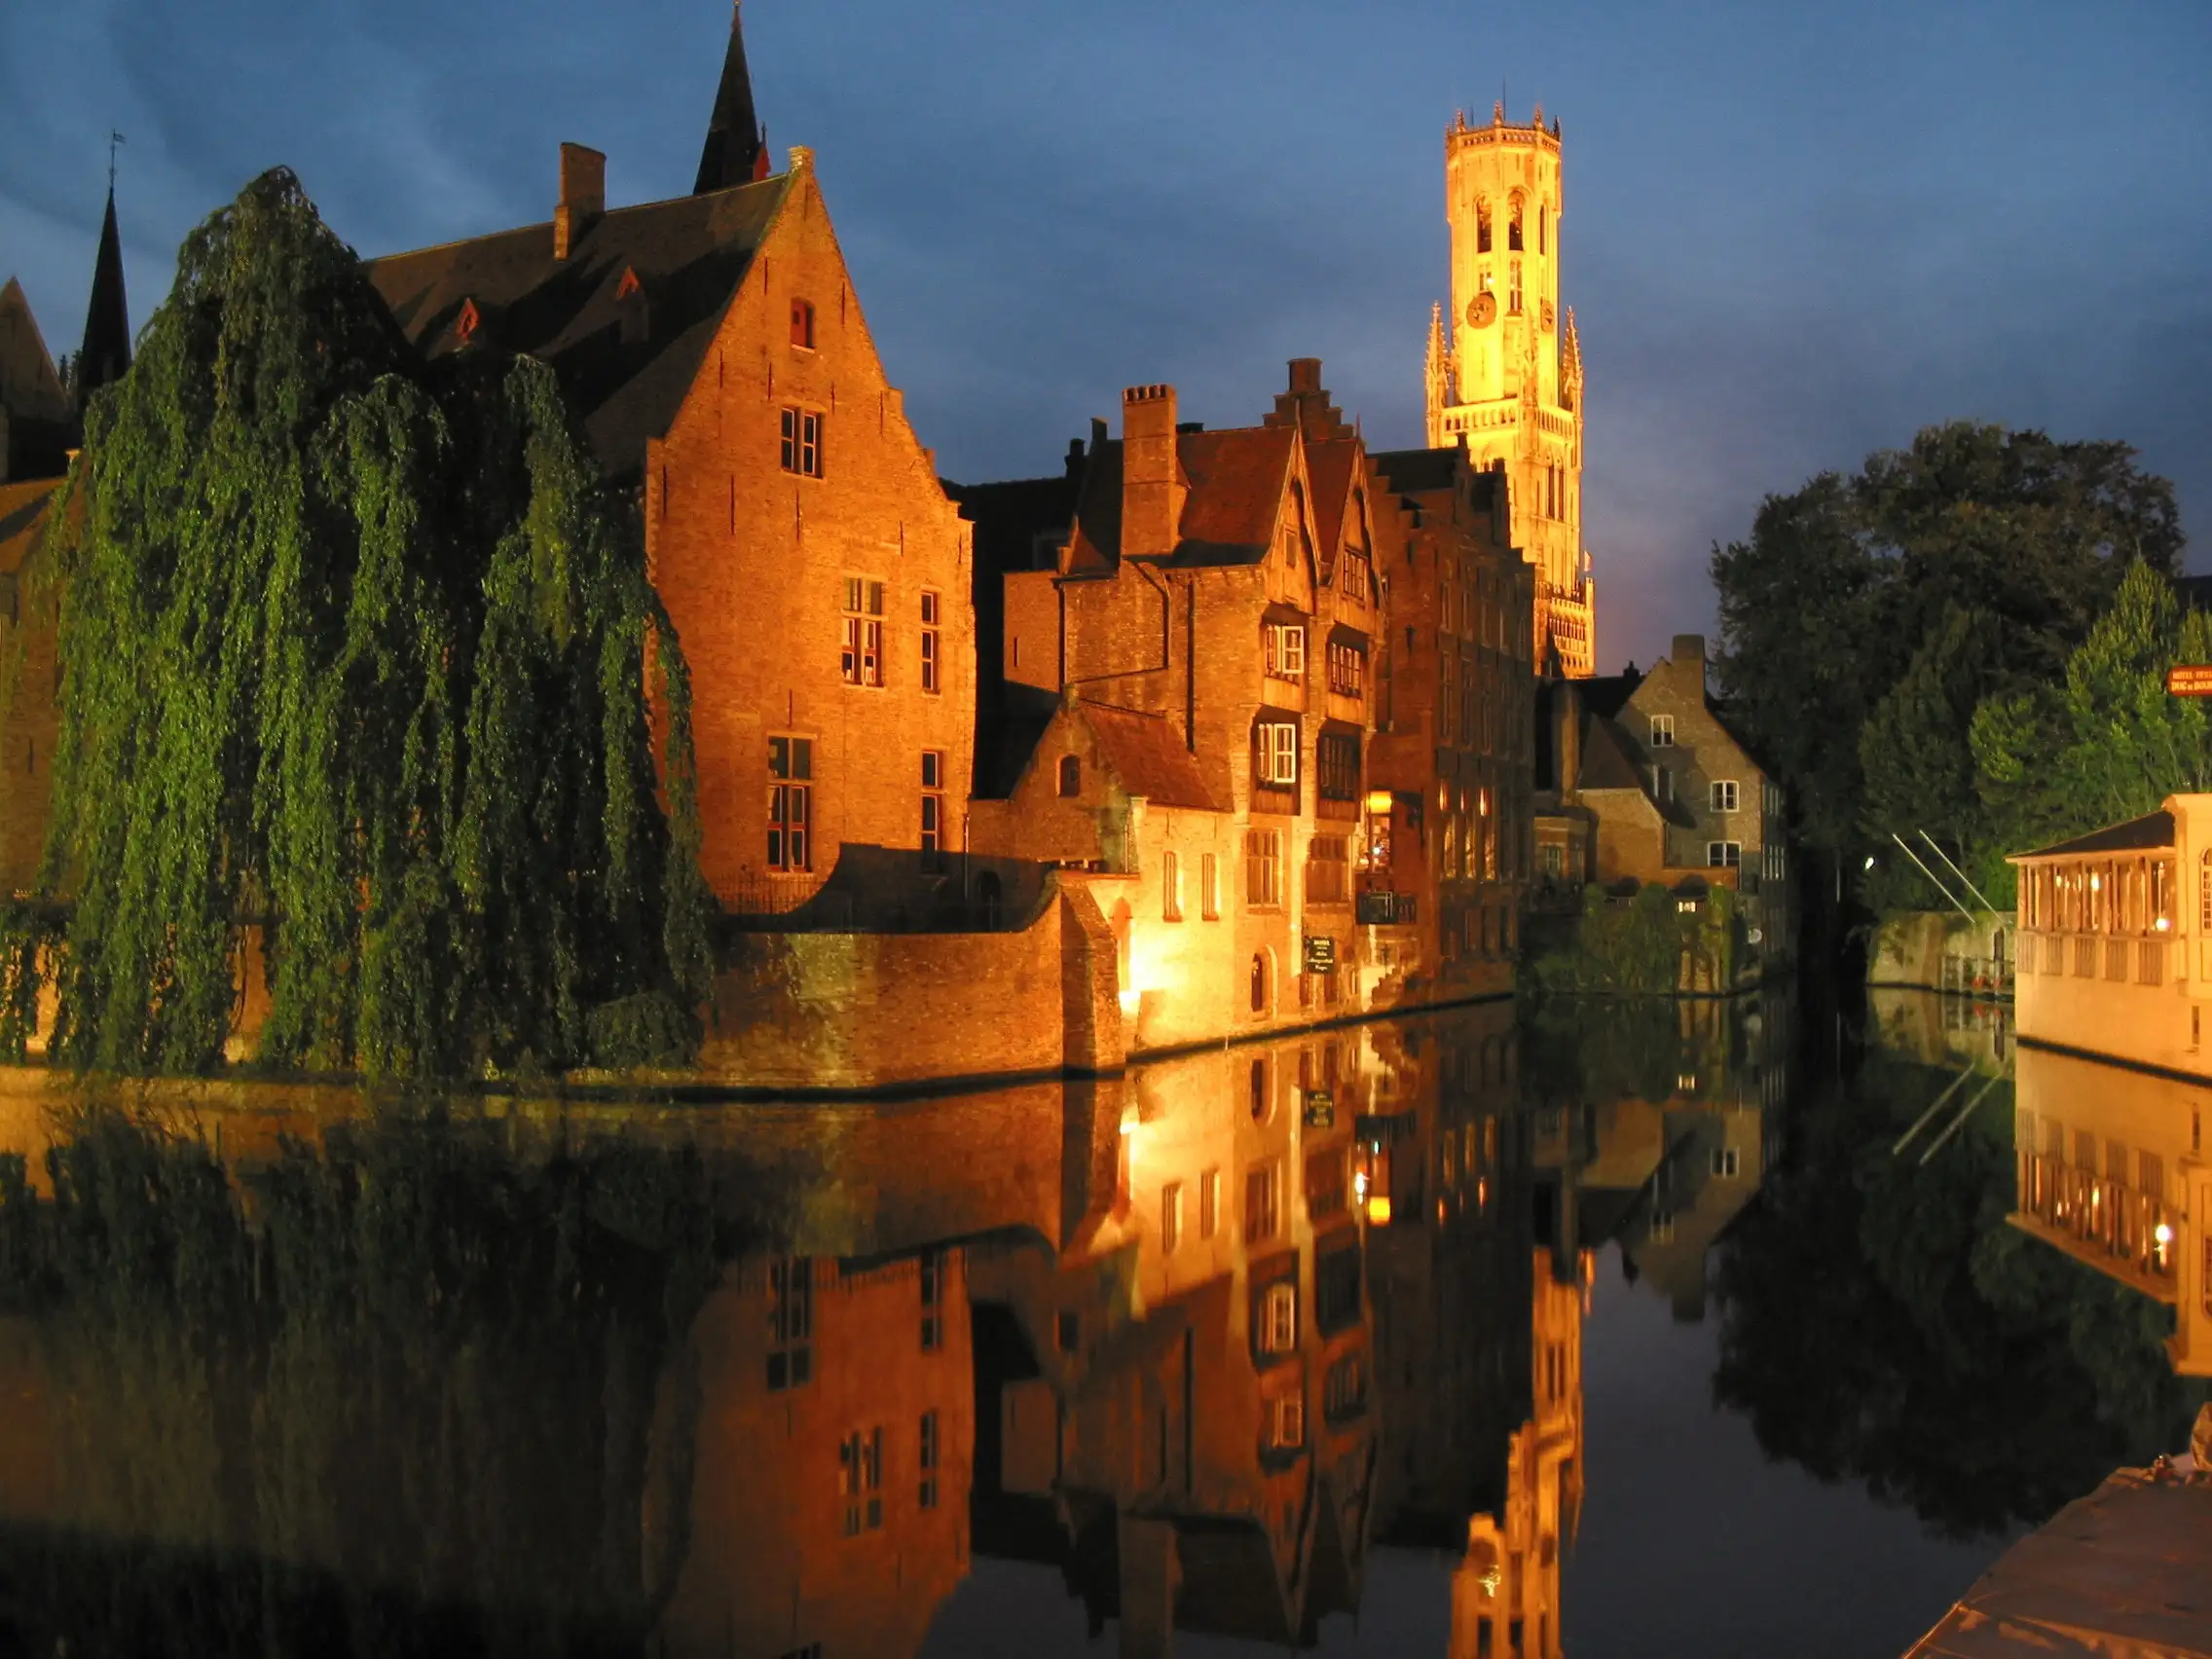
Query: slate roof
point(1416, 470)
point(689, 254)
point(2152, 830)
point(1236, 477)
point(1329, 465)
point(1148, 756)
point(1606, 764)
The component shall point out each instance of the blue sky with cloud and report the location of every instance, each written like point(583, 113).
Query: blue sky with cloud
point(1793, 233)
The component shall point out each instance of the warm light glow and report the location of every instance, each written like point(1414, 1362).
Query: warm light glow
point(2163, 923)
point(1378, 1210)
point(1359, 1186)
point(1131, 1001)
point(2096, 882)
point(1869, 860)
point(2164, 1234)
point(1440, 1212)
point(1378, 800)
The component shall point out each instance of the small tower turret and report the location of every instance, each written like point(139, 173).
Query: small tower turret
point(105, 355)
point(736, 151)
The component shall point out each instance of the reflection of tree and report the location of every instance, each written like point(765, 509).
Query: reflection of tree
point(1576, 1048)
point(1881, 1322)
point(394, 1396)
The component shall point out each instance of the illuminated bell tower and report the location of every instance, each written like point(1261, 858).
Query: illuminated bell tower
point(1504, 368)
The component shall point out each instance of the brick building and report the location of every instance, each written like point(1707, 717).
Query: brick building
point(1641, 780)
point(1451, 741)
point(1215, 594)
point(815, 570)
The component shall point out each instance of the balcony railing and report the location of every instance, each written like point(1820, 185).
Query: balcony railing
point(1387, 910)
point(2138, 1231)
point(2123, 960)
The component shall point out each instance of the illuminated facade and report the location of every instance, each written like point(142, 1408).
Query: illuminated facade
point(1504, 369)
point(2112, 1168)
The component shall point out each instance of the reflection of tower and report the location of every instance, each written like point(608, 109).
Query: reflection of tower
point(1505, 1594)
point(1504, 370)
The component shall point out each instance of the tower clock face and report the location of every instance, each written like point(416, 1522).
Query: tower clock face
point(1481, 310)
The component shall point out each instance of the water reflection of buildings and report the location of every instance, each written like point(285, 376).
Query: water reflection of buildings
point(2112, 1170)
point(1202, 1337)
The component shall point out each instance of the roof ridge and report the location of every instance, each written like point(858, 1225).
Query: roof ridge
point(547, 225)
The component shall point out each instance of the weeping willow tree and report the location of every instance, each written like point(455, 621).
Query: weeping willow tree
point(359, 651)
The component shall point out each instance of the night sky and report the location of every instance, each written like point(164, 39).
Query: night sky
point(1793, 234)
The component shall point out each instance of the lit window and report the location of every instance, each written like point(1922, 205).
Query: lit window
point(1262, 867)
point(861, 661)
point(1209, 1204)
point(1723, 855)
point(1662, 731)
point(790, 803)
point(1170, 1217)
point(1286, 650)
point(802, 441)
point(802, 325)
point(1274, 754)
point(930, 611)
point(1721, 796)
point(1513, 288)
point(1170, 887)
point(1278, 1316)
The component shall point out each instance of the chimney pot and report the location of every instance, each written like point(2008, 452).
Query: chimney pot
point(583, 195)
point(1305, 374)
point(1688, 647)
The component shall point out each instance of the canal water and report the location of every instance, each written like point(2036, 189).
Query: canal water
point(1609, 1329)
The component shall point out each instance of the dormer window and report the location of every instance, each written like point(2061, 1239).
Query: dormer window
point(1286, 650)
point(1662, 731)
point(802, 325)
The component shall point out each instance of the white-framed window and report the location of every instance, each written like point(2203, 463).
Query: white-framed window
point(1170, 1217)
point(802, 449)
point(1723, 855)
point(861, 661)
point(1661, 785)
point(1286, 650)
point(1209, 1202)
point(931, 609)
point(1662, 731)
point(1274, 753)
point(790, 803)
point(1286, 1422)
point(1720, 794)
point(1726, 1161)
point(1170, 887)
point(1278, 1320)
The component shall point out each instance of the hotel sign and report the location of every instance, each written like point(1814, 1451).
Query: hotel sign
point(1320, 953)
point(2190, 680)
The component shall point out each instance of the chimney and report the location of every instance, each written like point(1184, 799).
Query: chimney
point(1690, 654)
point(1305, 375)
point(1567, 746)
point(1151, 493)
point(583, 195)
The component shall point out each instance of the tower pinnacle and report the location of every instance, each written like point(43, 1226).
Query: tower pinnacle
point(106, 352)
point(736, 151)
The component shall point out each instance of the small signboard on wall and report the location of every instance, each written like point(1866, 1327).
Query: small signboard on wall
point(2190, 680)
point(1321, 1109)
point(1320, 953)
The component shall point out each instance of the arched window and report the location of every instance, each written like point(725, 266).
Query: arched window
point(1071, 777)
point(1513, 226)
point(1513, 287)
point(1262, 991)
point(1258, 1089)
point(1482, 225)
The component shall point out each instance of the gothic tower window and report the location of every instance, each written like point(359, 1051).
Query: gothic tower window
point(1513, 284)
point(1482, 225)
point(1543, 228)
point(1512, 228)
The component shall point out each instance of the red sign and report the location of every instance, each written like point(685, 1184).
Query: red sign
point(2190, 680)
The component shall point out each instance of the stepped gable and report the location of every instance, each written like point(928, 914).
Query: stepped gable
point(625, 359)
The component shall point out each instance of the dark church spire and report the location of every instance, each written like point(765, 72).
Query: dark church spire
point(106, 351)
point(737, 145)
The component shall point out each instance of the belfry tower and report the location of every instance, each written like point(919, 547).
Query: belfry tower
point(1504, 369)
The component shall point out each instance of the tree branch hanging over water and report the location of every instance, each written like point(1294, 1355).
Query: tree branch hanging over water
point(355, 646)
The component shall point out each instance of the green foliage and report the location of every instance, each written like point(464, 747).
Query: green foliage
point(1648, 946)
point(355, 647)
point(1850, 588)
point(2111, 745)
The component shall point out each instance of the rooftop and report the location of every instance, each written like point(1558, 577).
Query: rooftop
point(2137, 835)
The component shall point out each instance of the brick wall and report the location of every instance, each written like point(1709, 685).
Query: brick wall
point(752, 561)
